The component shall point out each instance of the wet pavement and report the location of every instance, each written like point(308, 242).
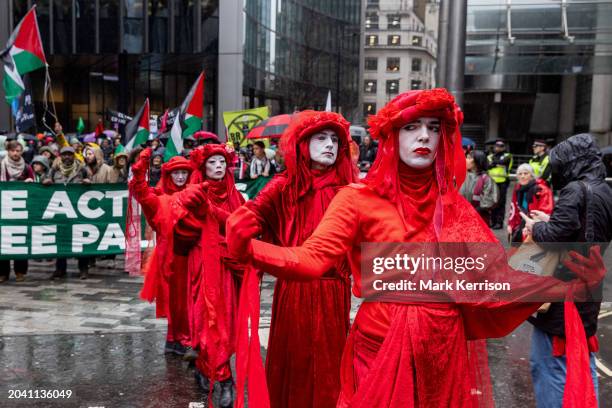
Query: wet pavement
point(96, 339)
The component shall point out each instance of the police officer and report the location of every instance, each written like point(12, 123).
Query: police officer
point(500, 163)
point(540, 162)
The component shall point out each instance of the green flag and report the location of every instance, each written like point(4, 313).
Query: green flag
point(23, 53)
point(189, 119)
point(80, 126)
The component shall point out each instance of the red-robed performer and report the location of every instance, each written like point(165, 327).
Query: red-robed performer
point(310, 320)
point(213, 275)
point(416, 354)
point(165, 272)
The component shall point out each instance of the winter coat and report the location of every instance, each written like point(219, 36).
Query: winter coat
point(486, 199)
point(101, 172)
point(576, 163)
point(27, 172)
point(367, 153)
point(76, 177)
point(119, 175)
point(45, 162)
point(538, 196)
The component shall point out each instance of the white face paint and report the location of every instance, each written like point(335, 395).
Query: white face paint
point(215, 167)
point(418, 142)
point(179, 177)
point(323, 147)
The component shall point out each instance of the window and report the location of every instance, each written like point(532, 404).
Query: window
point(393, 40)
point(393, 86)
point(369, 109)
point(415, 84)
point(371, 64)
point(416, 40)
point(393, 64)
point(393, 21)
point(416, 65)
point(371, 21)
point(369, 86)
point(371, 40)
point(372, 4)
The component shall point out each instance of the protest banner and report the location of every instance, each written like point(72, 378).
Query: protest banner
point(24, 116)
point(239, 123)
point(38, 221)
point(250, 188)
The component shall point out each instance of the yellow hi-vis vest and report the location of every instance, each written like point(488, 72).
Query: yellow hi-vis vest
point(499, 173)
point(539, 165)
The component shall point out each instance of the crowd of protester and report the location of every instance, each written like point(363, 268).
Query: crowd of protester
point(58, 159)
point(581, 212)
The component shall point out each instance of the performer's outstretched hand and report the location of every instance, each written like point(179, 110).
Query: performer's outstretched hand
point(240, 228)
point(193, 197)
point(142, 163)
point(591, 270)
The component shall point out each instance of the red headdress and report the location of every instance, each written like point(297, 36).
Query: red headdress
point(449, 165)
point(175, 163)
point(403, 109)
point(219, 189)
point(294, 145)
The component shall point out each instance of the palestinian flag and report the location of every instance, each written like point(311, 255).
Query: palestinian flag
point(23, 53)
point(137, 130)
point(189, 119)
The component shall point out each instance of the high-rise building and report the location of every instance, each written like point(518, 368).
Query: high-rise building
point(111, 54)
point(399, 51)
point(538, 69)
point(295, 52)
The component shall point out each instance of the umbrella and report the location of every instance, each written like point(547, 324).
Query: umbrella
point(91, 137)
point(109, 133)
point(606, 150)
point(466, 141)
point(270, 128)
point(202, 134)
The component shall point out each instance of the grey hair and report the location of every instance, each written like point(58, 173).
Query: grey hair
point(526, 167)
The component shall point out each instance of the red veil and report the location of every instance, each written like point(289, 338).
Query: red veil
point(162, 219)
point(289, 225)
point(212, 305)
point(435, 196)
point(294, 147)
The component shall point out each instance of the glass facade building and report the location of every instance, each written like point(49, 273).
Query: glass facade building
point(295, 51)
point(534, 66)
point(112, 54)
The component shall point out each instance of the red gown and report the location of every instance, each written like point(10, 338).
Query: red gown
point(212, 273)
point(397, 354)
point(165, 272)
point(310, 320)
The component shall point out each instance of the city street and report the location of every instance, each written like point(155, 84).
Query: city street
point(98, 340)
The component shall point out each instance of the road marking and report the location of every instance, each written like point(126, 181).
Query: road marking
point(605, 314)
point(603, 368)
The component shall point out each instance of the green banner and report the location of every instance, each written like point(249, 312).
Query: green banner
point(250, 188)
point(54, 221)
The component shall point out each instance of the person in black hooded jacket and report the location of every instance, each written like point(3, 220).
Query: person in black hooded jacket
point(583, 213)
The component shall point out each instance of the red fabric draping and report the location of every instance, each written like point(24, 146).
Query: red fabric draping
point(310, 320)
point(161, 211)
point(212, 274)
point(391, 357)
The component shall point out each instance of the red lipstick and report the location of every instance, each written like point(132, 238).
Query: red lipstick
point(422, 150)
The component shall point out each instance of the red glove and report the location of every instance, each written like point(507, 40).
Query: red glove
point(142, 164)
point(590, 270)
point(240, 228)
point(193, 197)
